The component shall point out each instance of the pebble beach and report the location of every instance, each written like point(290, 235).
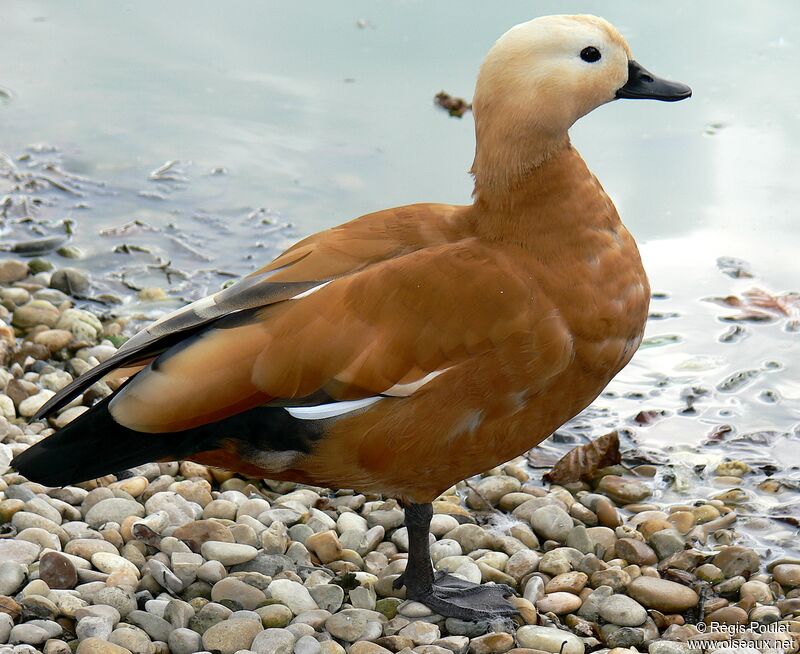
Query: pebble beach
point(177, 557)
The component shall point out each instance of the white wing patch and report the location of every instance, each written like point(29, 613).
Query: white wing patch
point(311, 290)
point(322, 411)
point(404, 390)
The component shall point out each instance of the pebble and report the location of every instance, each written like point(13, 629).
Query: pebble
point(107, 562)
point(293, 595)
point(787, 574)
point(234, 589)
point(231, 635)
point(551, 523)
point(99, 646)
point(559, 603)
point(12, 574)
point(662, 595)
point(57, 571)
point(19, 551)
point(133, 639)
point(29, 634)
point(624, 490)
point(736, 560)
point(349, 625)
point(496, 643)
point(421, 633)
point(549, 639)
point(623, 611)
point(228, 553)
point(185, 641)
point(113, 509)
point(273, 641)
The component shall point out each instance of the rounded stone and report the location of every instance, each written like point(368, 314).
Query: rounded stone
point(559, 603)
point(92, 626)
point(228, 553)
point(12, 574)
point(231, 635)
point(292, 594)
point(567, 582)
point(231, 588)
point(69, 281)
point(552, 523)
point(99, 646)
point(636, 552)
point(787, 574)
point(348, 625)
point(57, 571)
point(327, 596)
point(114, 509)
point(549, 639)
point(29, 634)
point(198, 532)
point(275, 615)
point(132, 639)
point(12, 270)
point(273, 641)
point(107, 562)
point(325, 546)
point(623, 489)
point(421, 633)
point(662, 595)
point(623, 611)
point(118, 598)
point(737, 560)
point(36, 312)
point(496, 643)
point(185, 641)
point(19, 551)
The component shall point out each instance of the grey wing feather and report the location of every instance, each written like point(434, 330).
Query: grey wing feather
point(249, 293)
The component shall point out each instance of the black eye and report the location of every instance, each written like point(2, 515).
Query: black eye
point(590, 54)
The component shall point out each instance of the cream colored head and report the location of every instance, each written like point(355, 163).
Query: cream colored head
point(536, 81)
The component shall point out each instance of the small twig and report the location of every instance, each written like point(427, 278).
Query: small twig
point(488, 504)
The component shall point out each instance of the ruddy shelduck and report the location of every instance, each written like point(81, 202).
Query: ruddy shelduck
point(413, 347)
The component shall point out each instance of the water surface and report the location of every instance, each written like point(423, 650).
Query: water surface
point(287, 118)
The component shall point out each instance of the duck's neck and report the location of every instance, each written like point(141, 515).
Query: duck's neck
point(505, 160)
point(554, 202)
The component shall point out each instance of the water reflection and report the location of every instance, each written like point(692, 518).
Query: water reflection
point(290, 118)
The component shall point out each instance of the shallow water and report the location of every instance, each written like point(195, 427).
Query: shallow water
point(287, 119)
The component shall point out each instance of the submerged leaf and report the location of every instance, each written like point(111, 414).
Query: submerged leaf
point(584, 461)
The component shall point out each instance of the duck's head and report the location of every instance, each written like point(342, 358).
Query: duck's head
point(542, 76)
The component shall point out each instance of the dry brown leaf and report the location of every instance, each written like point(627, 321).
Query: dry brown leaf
point(756, 302)
point(584, 461)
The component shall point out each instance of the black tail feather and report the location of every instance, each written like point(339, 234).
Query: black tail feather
point(94, 445)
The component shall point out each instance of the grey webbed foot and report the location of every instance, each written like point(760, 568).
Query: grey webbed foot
point(456, 598)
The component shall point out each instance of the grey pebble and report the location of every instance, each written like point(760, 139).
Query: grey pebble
point(157, 628)
point(185, 641)
point(12, 574)
point(120, 599)
point(6, 624)
point(273, 641)
point(328, 596)
point(133, 639)
point(93, 627)
point(113, 509)
point(29, 634)
point(307, 645)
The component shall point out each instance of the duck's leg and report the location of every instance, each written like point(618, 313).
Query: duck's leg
point(445, 594)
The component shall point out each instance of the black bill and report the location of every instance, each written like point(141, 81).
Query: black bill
point(643, 85)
